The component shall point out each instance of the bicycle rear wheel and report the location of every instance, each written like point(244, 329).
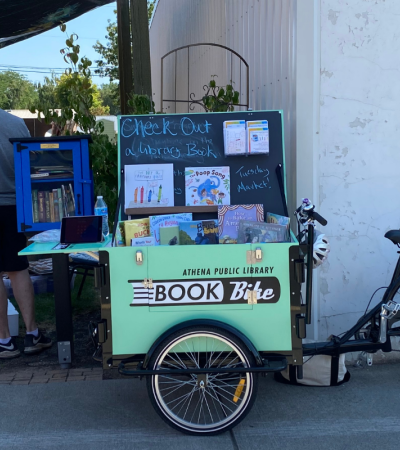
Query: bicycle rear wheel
point(202, 403)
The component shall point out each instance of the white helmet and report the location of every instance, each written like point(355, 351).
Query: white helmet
point(321, 248)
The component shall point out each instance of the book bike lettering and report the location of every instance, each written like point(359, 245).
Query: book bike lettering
point(204, 292)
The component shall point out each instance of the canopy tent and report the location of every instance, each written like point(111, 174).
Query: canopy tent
point(22, 19)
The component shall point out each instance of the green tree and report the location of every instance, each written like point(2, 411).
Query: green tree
point(108, 64)
point(80, 100)
point(47, 92)
point(109, 94)
point(16, 92)
point(62, 93)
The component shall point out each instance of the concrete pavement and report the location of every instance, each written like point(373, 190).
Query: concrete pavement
point(362, 414)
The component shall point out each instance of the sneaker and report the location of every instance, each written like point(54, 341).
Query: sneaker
point(9, 350)
point(36, 344)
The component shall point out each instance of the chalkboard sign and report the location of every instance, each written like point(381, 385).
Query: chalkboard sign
point(196, 140)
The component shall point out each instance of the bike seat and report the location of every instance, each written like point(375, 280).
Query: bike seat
point(394, 236)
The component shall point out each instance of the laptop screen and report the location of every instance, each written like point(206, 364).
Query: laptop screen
point(81, 229)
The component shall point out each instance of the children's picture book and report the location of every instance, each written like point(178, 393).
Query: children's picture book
point(166, 220)
point(207, 186)
point(120, 234)
point(149, 185)
point(210, 231)
point(198, 232)
point(138, 228)
point(260, 232)
point(169, 235)
point(229, 217)
point(280, 220)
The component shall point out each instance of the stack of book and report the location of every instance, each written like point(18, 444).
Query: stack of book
point(53, 205)
point(50, 172)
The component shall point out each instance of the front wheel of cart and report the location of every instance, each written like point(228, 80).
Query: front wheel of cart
point(203, 404)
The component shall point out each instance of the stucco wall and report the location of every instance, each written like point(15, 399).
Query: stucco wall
point(359, 154)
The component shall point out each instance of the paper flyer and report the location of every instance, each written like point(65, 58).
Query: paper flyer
point(258, 140)
point(235, 137)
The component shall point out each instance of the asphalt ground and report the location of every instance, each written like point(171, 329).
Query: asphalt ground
point(116, 414)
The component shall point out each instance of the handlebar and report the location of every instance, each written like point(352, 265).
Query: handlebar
point(306, 211)
point(319, 219)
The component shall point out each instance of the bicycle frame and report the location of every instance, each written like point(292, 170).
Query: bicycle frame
point(346, 344)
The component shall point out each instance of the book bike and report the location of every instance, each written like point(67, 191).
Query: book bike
point(202, 375)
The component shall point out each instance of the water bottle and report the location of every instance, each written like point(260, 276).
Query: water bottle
point(100, 209)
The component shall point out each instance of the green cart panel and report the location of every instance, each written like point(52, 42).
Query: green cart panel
point(215, 286)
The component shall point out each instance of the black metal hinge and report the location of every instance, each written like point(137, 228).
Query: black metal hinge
point(299, 270)
point(25, 227)
point(21, 147)
point(99, 277)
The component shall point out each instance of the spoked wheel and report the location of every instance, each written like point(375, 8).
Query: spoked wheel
point(202, 403)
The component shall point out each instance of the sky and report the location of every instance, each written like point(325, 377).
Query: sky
point(44, 50)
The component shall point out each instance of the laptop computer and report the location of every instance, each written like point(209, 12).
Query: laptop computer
point(80, 230)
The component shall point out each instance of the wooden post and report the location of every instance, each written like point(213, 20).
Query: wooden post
point(124, 54)
point(140, 47)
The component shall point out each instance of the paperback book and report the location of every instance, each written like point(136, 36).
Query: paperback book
point(169, 235)
point(166, 220)
point(280, 220)
point(251, 232)
point(142, 242)
point(51, 172)
point(207, 186)
point(198, 232)
point(229, 217)
point(138, 228)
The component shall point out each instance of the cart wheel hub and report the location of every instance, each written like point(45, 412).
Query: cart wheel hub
point(202, 380)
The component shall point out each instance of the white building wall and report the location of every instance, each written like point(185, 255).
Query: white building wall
point(359, 158)
point(348, 102)
point(263, 32)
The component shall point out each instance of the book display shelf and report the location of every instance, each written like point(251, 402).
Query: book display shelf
point(53, 180)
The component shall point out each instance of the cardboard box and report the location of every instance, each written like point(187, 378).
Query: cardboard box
point(13, 319)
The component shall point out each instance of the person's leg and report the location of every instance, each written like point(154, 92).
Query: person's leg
point(4, 331)
point(8, 347)
point(24, 295)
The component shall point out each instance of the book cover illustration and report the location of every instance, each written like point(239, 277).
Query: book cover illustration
point(229, 217)
point(169, 235)
point(149, 185)
point(260, 232)
point(137, 228)
point(280, 220)
point(166, 220)
point(207, 186)
point(120, 234)
point(198, 232)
